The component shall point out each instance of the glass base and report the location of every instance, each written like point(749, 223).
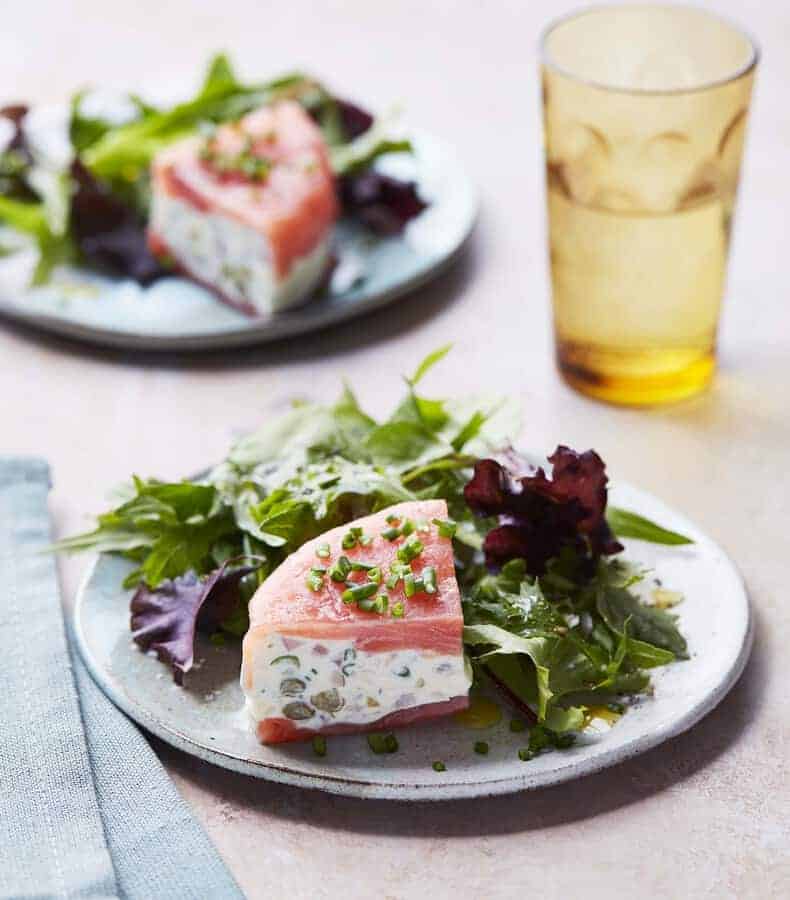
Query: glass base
point(635, 378)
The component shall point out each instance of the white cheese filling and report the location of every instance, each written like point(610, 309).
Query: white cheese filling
point(316, 683)
point(232, 257)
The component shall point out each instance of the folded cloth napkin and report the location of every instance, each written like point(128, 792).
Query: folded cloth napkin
point(86, 809)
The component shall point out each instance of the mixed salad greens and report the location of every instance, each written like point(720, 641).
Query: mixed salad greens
point(554, 617)
point(90, 205)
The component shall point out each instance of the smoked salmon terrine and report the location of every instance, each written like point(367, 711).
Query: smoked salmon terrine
point(248, 210)
point(360, 629)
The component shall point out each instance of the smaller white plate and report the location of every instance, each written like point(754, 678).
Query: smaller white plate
point(206, 718)
point(177, 314)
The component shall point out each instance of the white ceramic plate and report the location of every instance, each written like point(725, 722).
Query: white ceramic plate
point(176, 314)
point(206, 718)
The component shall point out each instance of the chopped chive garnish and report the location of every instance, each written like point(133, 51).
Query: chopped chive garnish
point(349, 541)
point(365, 540)
point(374, 604)
point(323, 551)
point(358, 592)
point(314, 580)
point(392, 519)
point(374, 575)
point(429, 578)
point(525, 754)
point(409, 586)
point(410, 550)
point(439, 766)
point(287, 657)
point(356, 531)
point(382, 743)
point(518, 725)
point(391, 534)
point(481, 747)
point(447, 527)
point(392, 581)
point(319, 745)
point(359, 566)
point(407, 528)
point(339, 571)
point(397, 610)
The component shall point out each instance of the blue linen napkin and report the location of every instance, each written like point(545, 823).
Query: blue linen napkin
point(86, 808)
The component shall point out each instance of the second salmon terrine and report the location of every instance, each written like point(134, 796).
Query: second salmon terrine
point(248, 210)
point(358, 630)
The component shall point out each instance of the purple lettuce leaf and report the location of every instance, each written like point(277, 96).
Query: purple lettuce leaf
point(539, 516)
point(109, 234)
point(382, 203)
point(16, 158)
point(166, 619)
point(354, 120)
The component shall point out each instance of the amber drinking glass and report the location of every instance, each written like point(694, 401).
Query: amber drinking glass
point(645, 111)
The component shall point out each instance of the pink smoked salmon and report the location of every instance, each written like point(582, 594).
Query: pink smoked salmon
point(248, 211)
point(335, 644)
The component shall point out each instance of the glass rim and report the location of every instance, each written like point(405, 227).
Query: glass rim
point(549, 63)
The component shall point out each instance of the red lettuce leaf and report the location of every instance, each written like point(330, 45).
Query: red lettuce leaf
point(109, 234)
point(16, 158)
point(353, 118)
point(165, 620)
point(539, 516)
point(382, 203)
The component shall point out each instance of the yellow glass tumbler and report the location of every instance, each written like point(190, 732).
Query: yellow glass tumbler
point(645, 111)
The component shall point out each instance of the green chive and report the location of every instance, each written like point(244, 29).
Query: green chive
point(525, 754)
point(392, 519)
point(382, 743)
point(323, 551)
point(439, 766)
point(374, 604)
point(314, 581)
point(429, 577)
point(409, 585)
point(391, 534)
point(358, 592)
point(518, 725)
point(356, 531)
point(359, 566)
point(481, 747)
point(447, 527)
point(397, 610)
point(374, 575)
point(407, 528)
point(392, 581)
point(285, 658)
point(319, 745)
point(365, 540)
point(410, 550)
point(339, 571)
point(349, 541)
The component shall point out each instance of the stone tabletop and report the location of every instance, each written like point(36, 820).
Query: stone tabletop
point(707, 815)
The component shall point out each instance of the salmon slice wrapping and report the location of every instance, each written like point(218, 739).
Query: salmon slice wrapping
point(248, 211)
point(358, 630)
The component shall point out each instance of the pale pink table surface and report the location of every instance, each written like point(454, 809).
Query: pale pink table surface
point(707, 815)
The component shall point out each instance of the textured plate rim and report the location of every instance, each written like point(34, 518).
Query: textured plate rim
point(263, 331)
point(447, 790)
